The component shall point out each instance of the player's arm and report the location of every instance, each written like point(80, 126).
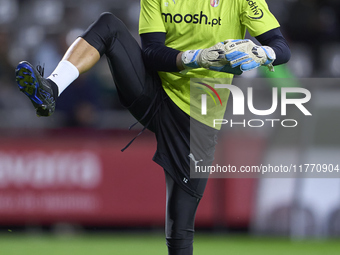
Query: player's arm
point(232, 56)
point(278, 43)
point(152, 31)
point(159, 57)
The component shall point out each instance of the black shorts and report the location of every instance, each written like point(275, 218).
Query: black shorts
point(182, 142)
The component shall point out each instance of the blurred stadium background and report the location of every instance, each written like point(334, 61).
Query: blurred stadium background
point(65, 187)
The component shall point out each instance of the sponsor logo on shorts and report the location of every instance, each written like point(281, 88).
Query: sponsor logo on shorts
point(257, 12)
point(192, 157)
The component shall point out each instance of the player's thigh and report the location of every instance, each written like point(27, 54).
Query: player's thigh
point(109, 35)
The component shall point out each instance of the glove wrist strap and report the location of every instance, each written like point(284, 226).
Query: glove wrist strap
point(190, 59)
point(271, 56)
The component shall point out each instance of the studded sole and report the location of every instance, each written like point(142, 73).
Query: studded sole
point(28, 83)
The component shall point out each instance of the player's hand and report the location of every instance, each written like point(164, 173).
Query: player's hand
point(213, 58)
point(230, 56)
point(247, 55)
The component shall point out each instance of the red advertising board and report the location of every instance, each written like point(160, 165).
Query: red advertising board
point(82, 177)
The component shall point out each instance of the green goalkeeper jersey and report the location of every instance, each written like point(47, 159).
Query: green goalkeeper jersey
point(198, 24)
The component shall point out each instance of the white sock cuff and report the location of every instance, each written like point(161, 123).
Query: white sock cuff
point(64, 74)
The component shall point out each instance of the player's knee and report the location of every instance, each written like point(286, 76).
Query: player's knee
point(107, 17)
point(111, 21)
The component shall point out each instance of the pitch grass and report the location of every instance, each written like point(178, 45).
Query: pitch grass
point(12, 243)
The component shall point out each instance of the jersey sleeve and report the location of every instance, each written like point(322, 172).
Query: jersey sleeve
point(256, 17)
point(150, 19)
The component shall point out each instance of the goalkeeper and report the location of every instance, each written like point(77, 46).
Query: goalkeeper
point(180, 40)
